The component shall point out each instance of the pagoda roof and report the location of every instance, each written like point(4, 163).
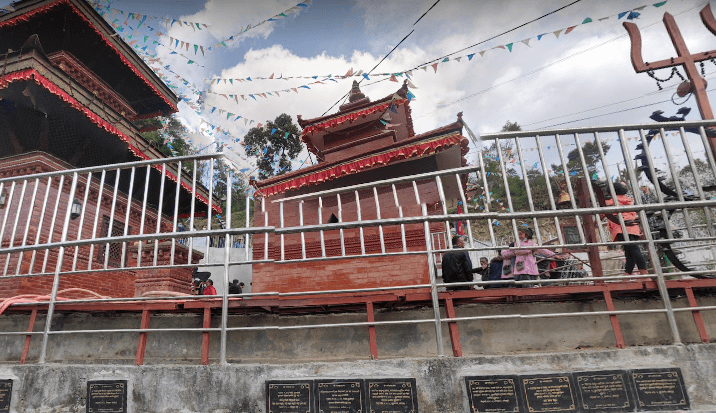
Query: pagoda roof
point(83, 129)
point(422, 145)
point(351, 112)
point(74, 26)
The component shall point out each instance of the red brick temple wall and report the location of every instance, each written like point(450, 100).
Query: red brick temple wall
point(115, 283)
point(346, 273)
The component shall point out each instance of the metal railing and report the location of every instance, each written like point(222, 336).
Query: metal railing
point(117, 230)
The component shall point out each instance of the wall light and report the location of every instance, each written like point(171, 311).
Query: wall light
point(75, 209)
point(3, 198)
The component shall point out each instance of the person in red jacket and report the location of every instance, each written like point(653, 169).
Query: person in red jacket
point(210, 290)
point(632, 253)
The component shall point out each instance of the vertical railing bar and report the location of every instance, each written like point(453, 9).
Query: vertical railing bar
point(487, 197)
point(657, 187)
point(159, 212)
point(400, 214)
point(320, 221)
point(190, 241)
point(58, 269)
point(144, 214)
point(41, 222)
point(15, 223)
point(709, 154)
point(627, 160)
point(697, 179)
point(610, 184)
point(528, 190)
point(227, 250)
point(209, 210)
point(10, 195)
point(300, 223)
point(52, 224)
point(30, 211)
point(127, 215)
point(377, 214)
point(585, 169)
point(266, 221)
point(663, 290)
point(572, 199)
point(362, 241)
point(111, 218)
point(505, 182)
point(548, 184)
point(280, 217)
point(97, 214)
point(675, 179)
point(176, 214)
point(82, 219)
point(340, 219)
point(464, 211)
point(433, 282)
point(246, 236)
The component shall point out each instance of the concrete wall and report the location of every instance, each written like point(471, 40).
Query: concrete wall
point(241, 387)
point(505, 336)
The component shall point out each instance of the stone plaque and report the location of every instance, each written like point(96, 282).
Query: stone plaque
point(493, 394)
point(107, 396)
point(340, 396)
point(5, 395)
point(660, 389)
point(549, 393)
point(604, 391)
point(391, 396)
point(289, 396)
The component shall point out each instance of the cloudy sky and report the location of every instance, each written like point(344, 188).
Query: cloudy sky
point(580, 78)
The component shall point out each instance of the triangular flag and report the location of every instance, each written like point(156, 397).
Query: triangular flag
point(435, 67)
point(469, 57)
point(557, 33)
point(285, 136)
point(196, 48)
point(393, 79)
point(622, 14)
point(271, 77)
point(639, 8)
point(349, 73)
point(569, 29)
point(447, 59)
point(273, 131)
point(659, 4)
point(482, 53)
point(526, 41)
point(633, 15)
point(411, 85)
point(458, 59)
point(539, 36)
point(587, 20)
point(425, 68)
point(509, 47)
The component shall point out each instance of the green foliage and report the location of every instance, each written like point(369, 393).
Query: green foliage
point(591, 159)
point(511, 127)
point(273, 153)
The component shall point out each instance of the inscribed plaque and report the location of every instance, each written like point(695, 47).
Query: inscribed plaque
point(660, 389)
point(604, 391)
point(549, 393)
point(493, 394)
point(340, 396)
point(5, 395)
point(392, 396)
point(289, 396)
point(107, 396)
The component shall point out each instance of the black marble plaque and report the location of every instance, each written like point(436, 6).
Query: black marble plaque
point(493, 394)
point(549, 393)
point(289, 396)
point(391, 396)
point(660, 389)
point(5, 395)
point(107, 396)
point(340, 396)
point(604, 391)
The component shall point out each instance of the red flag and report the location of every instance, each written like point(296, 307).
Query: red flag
point(459, 227)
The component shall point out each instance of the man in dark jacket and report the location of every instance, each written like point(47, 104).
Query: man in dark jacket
point(457, 266)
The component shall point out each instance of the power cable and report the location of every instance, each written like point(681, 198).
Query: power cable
point(431, 7)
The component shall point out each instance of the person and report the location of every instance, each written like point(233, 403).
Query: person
point(235, 287)
point(484, 269)
point(457, 266)
point(508, 264)
point(495, 271)
point(209, 289)
point(632, 253)
point(525, 267)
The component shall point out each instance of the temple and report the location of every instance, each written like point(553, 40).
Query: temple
point(365, 141)
point(70, 89)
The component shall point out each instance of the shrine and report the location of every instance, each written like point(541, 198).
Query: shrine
point(365, 141)
point(69, 92)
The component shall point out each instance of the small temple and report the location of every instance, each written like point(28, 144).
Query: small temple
point(70, 90)
point(365, 141)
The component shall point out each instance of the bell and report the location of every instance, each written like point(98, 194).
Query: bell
point(564, 198)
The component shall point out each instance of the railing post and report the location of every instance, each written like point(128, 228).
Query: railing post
point(433, 281)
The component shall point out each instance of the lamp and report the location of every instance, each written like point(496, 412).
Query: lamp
point(75, 209)
point(3, 198)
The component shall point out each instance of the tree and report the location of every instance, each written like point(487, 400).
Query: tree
point(511, 127)
point(274, 146)
point(591, 159)
point(169, 136)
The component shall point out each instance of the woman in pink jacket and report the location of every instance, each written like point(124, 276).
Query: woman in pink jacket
point(632, 253)
point(525, 267)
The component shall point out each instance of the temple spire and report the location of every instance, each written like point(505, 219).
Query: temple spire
point(356, 94)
